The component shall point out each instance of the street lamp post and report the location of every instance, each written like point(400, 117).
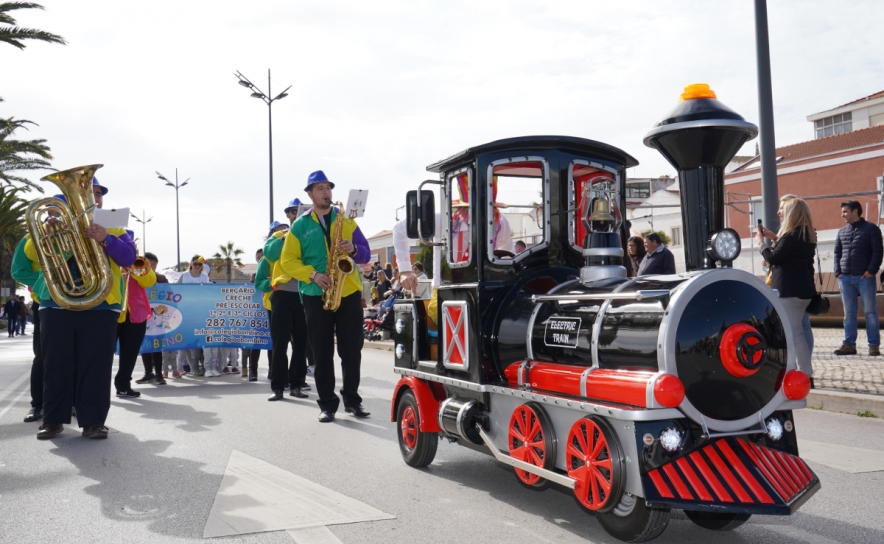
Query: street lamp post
point(143, 222)
point(177, 186)
point(257, 93)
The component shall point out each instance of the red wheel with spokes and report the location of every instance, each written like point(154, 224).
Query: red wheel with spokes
point(531, 439)
point(409, 429)
point(417, 448)
point(594, 460)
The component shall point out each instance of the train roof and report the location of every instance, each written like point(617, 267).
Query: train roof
point(581, 146)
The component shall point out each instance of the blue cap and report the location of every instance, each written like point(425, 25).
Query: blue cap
point(96, 184)
point(293, 204)
point(61, 197)
point(318, 177)
point(274, 225)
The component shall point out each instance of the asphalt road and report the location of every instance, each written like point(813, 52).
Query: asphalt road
point(155, 478)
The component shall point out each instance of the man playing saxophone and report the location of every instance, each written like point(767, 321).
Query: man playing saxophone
point(81, 340)
point(305, 257)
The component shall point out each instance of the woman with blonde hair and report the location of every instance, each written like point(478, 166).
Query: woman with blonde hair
point(791, 260)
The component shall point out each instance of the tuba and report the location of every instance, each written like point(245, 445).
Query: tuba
point(339, 264)
point(77, 271)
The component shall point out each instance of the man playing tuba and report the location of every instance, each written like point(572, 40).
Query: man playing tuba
point(84, 340)
point(305, 257)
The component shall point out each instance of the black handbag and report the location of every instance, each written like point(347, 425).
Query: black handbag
point(819, 304)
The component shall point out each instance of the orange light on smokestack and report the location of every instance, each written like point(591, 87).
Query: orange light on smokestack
point(697, 90)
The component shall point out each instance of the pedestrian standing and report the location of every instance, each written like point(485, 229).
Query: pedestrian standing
point(23, 314)
point(635, 250)
point(191, 357)
point(132, 325)
point(26, 271)
point(262, 284)
point(305, 257)
point(658, 259)
point(791, 259)
point(157, 364)
point(858, 253)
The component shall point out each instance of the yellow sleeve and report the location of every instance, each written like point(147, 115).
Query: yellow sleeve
point(433, 307)
point(31, 251)
point(146, 281)
point(291, 262)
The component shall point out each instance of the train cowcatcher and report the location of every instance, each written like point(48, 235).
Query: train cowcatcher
point(640, 394)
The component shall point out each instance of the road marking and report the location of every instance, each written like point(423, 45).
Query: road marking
point(15, 400)
point(256, 497)
point(846, 458)
point(314, 535)
point(11, 389)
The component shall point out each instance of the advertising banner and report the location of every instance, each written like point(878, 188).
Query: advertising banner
point(190, 316)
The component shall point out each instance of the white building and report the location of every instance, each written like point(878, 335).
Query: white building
point(661, 212)
point(863, 113)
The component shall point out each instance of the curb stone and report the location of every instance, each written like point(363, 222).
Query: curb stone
point(846, 402)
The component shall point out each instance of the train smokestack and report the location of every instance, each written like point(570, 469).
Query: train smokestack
point(699, 137)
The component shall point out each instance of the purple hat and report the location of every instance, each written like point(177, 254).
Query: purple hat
point(317, 177)
point(95, 183)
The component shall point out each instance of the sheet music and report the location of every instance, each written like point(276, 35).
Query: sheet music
point(356, 202)
point(111, 219)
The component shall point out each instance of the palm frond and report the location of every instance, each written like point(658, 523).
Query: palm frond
point(15, 36)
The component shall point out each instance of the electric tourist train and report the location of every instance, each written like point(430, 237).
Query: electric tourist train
point(640, 394)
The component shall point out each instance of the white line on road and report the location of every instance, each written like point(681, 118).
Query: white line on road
point(15, 400)
point(314, 535)
point(13, 387)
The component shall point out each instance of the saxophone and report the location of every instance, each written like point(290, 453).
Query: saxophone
point(339, 263)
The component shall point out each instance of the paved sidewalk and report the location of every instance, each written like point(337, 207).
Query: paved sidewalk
point(859, 373)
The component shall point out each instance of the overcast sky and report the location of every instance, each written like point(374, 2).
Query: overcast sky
point(382, 89)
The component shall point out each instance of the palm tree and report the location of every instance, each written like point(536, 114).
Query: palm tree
point(19, 155)
point(12, 229)
point(14, 35)
point(228, 256)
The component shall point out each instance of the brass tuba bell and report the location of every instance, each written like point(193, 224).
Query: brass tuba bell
point(76, 269)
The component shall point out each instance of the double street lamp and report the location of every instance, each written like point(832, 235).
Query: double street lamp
point(257, 93)
point(177, 186)
point(143, 222)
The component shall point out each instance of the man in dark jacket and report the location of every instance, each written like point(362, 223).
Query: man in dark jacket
point(12, 309)
point(858, 253)
point(658, 259)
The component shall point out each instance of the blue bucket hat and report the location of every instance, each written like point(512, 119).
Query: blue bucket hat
point(293, 204)
point(95, 183)
point(276, 224)
point(317, 177)
point(61, 197)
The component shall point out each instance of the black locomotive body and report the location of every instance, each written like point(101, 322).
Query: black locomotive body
point(641, 394)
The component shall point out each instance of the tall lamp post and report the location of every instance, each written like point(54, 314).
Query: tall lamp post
point(177, 186)
point(143, 222)
point(257, 93)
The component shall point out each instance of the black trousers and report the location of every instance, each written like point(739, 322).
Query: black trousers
point(287, 324)
point(130, 336)
point(81, 341)
point(323, 327)
point(153, 363)
point(37, 365)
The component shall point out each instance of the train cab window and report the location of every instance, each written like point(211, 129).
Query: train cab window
point(587, 179)
point(461, 220)
point(517, 214)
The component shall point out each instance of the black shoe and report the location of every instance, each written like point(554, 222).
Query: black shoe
point(296, 392)
point(34, 414)
point(130, 393)
point(357, 410)
point(304, 387)
point(253, 378)
point(326, 417)
point(159, 380)
point(277, 395)
point(148, 378)
point(49, 430)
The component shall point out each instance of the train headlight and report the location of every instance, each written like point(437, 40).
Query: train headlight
point(774, 429)
point(400, 326)
point(670, 439)
point(724, 245)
